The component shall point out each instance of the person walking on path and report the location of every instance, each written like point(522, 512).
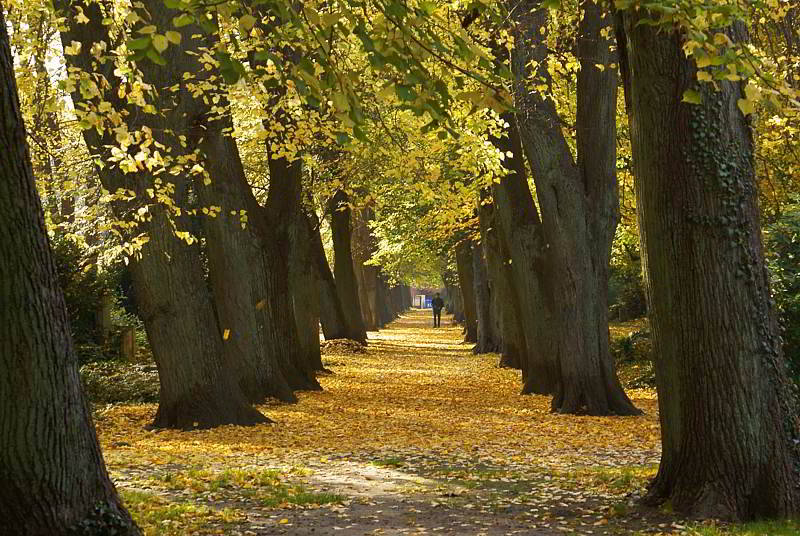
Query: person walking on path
point(438, 305)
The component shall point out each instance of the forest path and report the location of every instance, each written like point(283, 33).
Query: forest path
point(415, 435)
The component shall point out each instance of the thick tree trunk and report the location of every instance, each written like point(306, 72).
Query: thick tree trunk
point(487, 342)
point(466, 282)
point(520, 230)
point(334, 323)
point(505, 302)
point(346, 284)
point(305, 295)
point(367, 275)
point(728, 420)
point(238, 270)
point(53, 473)
point(283, 210)
point(578, 207)
point(198, 386)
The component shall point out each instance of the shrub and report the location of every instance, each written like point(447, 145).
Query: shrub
point(112, 382)
point(782, 244)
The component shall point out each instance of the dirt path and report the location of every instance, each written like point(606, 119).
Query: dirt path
point(414, 436)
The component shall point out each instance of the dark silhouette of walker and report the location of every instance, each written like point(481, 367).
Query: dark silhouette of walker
point(437, 304)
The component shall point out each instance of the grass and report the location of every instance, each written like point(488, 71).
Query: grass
point(617, 480)
point(157, 516)
point(758, 528)
point(270, 487)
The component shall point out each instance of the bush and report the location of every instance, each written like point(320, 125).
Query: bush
point(113, 382)
point(782, 244)
point(626, 298)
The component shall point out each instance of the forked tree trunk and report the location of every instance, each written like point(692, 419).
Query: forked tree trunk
point(728, 418)
point(466, 282)
point(198, 386)
point(52, 470)
point(578, 205)
point(344, 272)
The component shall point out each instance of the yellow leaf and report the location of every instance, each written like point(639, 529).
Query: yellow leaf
point(704, 76)
point(173, 37)
point(746, 106)
point(160, 42)
point(226, 334)
point(247, 22)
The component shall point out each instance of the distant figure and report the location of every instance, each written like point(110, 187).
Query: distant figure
point(437, 304)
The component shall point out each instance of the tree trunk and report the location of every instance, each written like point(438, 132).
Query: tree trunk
point(346, 284)
point(305, 295)
point(332, 318)
point(366, 275)
point(578, 204)
point(466, 282)
point(198, 386)
point(486, 340)
point(728, 420)
point(53, 474)
point(505, 302)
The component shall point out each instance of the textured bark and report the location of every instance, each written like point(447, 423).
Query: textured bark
point(487, 341)
point(51, 467)
point(505, 302)
point(334, 323)
point(728, 419)
point(198, 386)
point(344, 271)
point(578, 206)
point(305, 295)
point(282, 211)
point(238, 270)
point(466, 282)
point(366, 275)
point(520, 228)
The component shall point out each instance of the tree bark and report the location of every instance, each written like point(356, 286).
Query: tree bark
point(344, 271)
point(332, 318)
point(578, 205)
point(485, 333)
point(198, 385)
point(466, 282)
point(53, 474)
point(728, 419)
point(505, 302)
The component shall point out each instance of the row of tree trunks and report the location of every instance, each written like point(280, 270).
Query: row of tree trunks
point(198, 384)
point(53, 473)
point(466, 283)
point(578, 208)
point(728, 417)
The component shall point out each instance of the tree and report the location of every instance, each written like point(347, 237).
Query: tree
point(578, 204)
point(466, 283)
point(199, 385)
point(728, 419)
point(344, 271)
point(54, 477)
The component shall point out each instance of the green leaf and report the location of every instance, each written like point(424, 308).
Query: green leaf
point(138, 44)
point(155, 57)
point(160, 43)
point(692, 97)
point(182, 20)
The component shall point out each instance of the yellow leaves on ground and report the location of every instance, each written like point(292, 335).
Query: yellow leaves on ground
point(413, 388)
point(415, 422)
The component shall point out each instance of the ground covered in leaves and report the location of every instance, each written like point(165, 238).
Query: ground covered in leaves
point(414, 436)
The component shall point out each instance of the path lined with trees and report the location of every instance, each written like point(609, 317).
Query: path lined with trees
point(233, 177)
